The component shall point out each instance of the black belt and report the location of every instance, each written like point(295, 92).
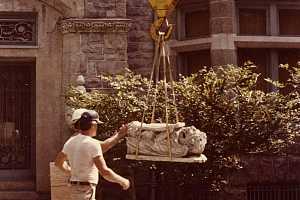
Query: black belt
point(80, 183)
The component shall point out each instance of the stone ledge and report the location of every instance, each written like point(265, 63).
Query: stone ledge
point(95, 25)
point(17, 185)
point(190, 45)
point(267, 42)
point(17, 195)
point(18, 47)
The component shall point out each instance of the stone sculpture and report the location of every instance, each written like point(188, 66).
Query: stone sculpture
point(153, 140)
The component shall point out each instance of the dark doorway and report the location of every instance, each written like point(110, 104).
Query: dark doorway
point(17, 119)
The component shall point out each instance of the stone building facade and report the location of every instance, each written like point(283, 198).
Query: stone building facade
point(46, 44)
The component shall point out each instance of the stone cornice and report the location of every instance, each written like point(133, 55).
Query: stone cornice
point(99, 25)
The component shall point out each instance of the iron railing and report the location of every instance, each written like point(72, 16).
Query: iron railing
point(273, 192)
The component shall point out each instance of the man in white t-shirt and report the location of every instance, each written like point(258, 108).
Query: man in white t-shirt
point(86, 160)
point(106, 144)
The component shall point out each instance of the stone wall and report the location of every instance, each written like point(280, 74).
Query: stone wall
point(96, 43)
point(264, 170)
point(136, 48)
point(140, 45)
point(102, 53)
point(105, 8)
point(98, 47)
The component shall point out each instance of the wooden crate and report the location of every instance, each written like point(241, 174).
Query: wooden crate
point(60, 189)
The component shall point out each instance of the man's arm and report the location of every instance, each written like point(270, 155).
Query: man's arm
point(113, 140)
point(109, 174)
point(110, 142)
point(61, 163)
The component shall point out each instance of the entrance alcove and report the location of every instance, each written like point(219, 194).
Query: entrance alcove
point(17, 119)
point(17, 108)
point(31, 95)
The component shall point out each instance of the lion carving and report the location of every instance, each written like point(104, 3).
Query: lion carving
point(153, 140)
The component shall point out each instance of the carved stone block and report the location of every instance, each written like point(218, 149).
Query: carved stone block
point(153, 140)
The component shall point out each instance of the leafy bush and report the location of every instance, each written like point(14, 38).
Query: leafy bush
point(222, 102)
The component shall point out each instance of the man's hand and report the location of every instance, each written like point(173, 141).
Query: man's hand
point(113, 140)
point(109, 174)
point(61, 163)
point(126, 184)
point(122, 131)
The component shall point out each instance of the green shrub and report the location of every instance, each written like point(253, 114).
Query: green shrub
point(222, 102)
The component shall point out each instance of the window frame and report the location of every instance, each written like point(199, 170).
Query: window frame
point(286, 7)
point(183, 69)
point(253, 7)
point(269, 63)
point(181, 14)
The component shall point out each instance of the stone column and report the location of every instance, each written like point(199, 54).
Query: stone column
point(140, 44)
point(96, 42)
point(223, 30)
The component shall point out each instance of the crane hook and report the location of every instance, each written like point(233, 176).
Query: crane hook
point(162, 8)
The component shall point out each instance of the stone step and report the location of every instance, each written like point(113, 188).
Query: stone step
point(26, 185)
point(18, 195)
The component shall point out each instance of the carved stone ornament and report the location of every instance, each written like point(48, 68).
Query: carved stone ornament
point(154, 139)
point(94, 25)
point(18, 28)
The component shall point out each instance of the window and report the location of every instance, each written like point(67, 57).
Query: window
point(193, 61)
point(289, 23)
point(267, 62)
point(260, 57)
point(193, 19)
point(252, 21)
point(197, 24)
point(287, 56)
point(18, 28)
point(275, 18)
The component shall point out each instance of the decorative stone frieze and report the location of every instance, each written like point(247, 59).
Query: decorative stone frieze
point(18, 28)
point(94, 25)
point(17, 31)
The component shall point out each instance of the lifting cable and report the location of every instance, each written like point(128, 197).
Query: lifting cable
point(161, 52)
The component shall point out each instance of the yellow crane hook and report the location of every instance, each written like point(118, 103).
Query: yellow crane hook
point(162, 9)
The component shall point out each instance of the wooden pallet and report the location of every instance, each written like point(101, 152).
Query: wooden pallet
point(196, 159)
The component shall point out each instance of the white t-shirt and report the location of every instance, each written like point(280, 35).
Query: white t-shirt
point(80, 150)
